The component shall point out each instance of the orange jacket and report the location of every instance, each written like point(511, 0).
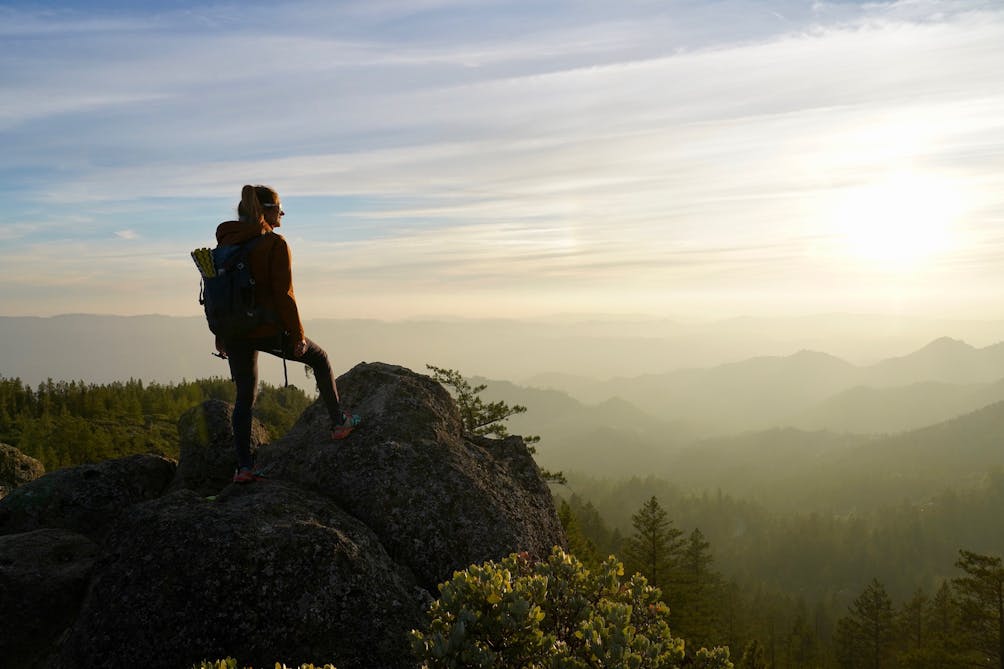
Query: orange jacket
point(272, 269)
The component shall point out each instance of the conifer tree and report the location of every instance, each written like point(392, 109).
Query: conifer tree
point(865, 636)
point(606, 541)
point(753, 657)
point(479, 417)
point(803, 643)
point(695, 601)
point(654, 548)
point(482, 418)
point(981, 605)
point(913, 633)
point(579, 544)
point(943, 648)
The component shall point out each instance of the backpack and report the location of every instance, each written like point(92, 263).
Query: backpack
point(227, 291)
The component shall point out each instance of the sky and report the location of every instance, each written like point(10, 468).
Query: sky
point(671, 158)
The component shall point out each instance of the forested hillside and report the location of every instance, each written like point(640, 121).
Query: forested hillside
point(810, 590)
point(64, 423)
point(877, 551)
point(791, 470)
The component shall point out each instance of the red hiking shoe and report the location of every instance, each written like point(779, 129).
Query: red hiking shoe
point(349, 423)
point(246, 475)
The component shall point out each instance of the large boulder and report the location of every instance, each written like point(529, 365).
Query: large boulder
point(332, 558)
point(437, 499)
point(207, 458)
point(265, 573)
point(43, 577)
point(16, 469)
point(87, 498)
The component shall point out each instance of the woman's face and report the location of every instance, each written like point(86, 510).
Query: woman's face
point(274, 214)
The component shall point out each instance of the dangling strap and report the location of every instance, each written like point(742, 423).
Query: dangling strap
point(282, 347)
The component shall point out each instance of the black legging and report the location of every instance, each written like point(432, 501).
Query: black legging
point(243, 357)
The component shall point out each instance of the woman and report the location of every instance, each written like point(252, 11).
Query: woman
point(259, 213)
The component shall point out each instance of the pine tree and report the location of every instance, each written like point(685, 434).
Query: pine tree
point(478, 417)
point(754, 656)
point(653, 550)
point(803, 643)
point(695, 601)
point(912, 619)
point(927, 632)
point(943, 647)
point(606, 541)
point(579, 544)
point(865, 635)
point(482, 418)
point(981, 604)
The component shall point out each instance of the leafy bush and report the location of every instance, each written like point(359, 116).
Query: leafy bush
point(554, 614)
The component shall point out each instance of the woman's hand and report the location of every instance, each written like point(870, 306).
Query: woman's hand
point(300, 348)
point(221, 349)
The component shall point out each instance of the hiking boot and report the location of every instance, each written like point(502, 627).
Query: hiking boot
point(245, 475)
point(344, 429)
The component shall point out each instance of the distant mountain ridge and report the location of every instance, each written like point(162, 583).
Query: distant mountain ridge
point(783, 467)
point(867, 410)
point(797, 469)
point(946, 360)
point(104, 348)
point(806, 389)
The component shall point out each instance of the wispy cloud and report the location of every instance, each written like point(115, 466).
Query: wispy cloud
point(689, 143)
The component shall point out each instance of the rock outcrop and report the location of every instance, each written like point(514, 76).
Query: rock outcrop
point(439, 501)
point(85, 499)
point(264, 572)
point(16, 469)
point(43, 577)
point(206, 449)
point(333, 558)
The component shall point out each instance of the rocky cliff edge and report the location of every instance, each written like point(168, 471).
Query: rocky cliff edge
point(146, 562)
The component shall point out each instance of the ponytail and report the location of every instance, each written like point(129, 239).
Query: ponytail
point(250, 209)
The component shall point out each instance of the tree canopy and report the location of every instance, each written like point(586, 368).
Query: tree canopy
point(67, 423)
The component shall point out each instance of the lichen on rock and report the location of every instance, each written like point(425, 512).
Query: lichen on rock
point(16, 469)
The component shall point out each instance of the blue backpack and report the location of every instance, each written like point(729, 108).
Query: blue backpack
point(227, 291)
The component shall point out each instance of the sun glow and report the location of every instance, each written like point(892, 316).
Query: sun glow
point(900, 223)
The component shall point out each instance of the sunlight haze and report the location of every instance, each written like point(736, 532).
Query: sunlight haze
point(476, 159)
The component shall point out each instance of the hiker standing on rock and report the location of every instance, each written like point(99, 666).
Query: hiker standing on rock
point(281, 333)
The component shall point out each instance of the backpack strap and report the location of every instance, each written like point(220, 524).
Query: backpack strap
point(244, 248)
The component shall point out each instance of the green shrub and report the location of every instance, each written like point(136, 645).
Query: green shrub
point(554, 614)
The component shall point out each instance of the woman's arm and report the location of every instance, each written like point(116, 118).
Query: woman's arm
point(281, 274)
